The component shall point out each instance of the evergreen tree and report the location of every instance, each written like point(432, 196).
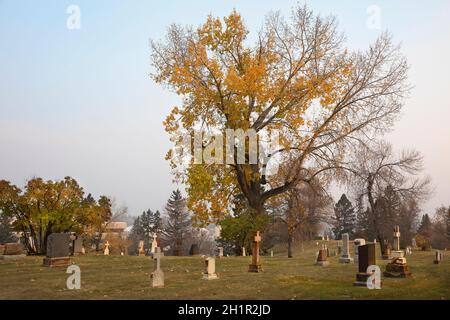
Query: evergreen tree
point(177, 227)
point(344, 217)
point(145, 226)
point(426, 226)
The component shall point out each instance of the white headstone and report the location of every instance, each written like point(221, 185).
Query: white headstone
point(157, 276)
point(345, 257)
point(141, 251)
point(154, 244)
point(106, 249)
point(210, 269)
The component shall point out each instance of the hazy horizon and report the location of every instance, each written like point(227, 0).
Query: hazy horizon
point(80, 103)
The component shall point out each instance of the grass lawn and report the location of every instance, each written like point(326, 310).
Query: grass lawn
point(128, 277)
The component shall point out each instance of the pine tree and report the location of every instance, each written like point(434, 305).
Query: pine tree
point(426, 226)
point(178, 223)
point(145, 226)
point(344, 217)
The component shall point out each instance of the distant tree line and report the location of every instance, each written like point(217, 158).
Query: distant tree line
point(174, 229)
point(45, 207)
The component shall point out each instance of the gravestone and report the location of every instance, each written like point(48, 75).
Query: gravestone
point(220, 252)
point(255, 266)
point(414, 243)
point(271, 252)
point(398, 267)
point(58, 250)
point(345, 257)
point(210, 269)
point(11, 251)
point(366, 258)
point(106, 248)
point(357, 243)
point(77, 246)
point(157, 276)
point(154, 244)
point(12, 248)
point(322, 257)
point(438, 257)
point(387, 251)
point(141, 251)
point(243, 252)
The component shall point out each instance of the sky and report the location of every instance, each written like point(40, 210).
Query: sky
point(81, 103)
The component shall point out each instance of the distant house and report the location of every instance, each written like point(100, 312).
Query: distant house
point(115, 228)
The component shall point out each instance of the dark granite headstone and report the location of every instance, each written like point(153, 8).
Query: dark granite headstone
point(58, 245)
point(366, 257)
point(194, 250)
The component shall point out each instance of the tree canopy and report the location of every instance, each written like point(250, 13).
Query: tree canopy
point(298, 81)
point(45, 207)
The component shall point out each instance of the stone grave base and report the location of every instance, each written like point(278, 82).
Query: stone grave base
point(345, 260)
point(12, 257)
point(157, 277)
point(255, 268)
point(361, 279)
point(56, 262)
point(397, 270)
point(397, 254)
point(386, 257)
point(210, 276)
point(323, 263)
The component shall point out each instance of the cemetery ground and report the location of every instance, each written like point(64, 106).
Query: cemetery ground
point(128, 277)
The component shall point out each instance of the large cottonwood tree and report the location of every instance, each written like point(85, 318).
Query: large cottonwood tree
point(297, 80)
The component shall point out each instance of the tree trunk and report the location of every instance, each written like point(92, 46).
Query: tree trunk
point(290, 240)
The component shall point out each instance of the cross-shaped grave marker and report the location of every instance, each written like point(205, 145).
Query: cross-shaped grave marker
point(255, 266)
point(157, 276)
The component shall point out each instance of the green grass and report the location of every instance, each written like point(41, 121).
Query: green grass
point(128, 277)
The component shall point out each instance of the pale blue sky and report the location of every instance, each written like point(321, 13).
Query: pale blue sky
point(81, 103)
